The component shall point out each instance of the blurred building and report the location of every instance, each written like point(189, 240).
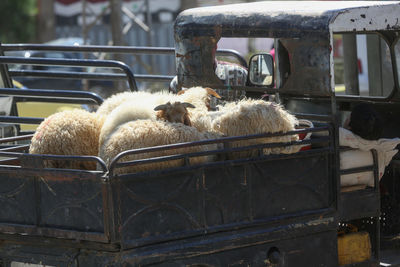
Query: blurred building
point(145, 23)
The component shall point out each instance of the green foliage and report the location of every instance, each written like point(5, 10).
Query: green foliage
point(17, 20)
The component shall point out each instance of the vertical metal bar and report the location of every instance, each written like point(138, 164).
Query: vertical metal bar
point(377, 191)
point(374, 63)
point(335, 158)
point(375, 169)
point(38, 201)
point(350, 64)
point(201, 186)
point(108, 213)
point(250, 192)
point(5, 77)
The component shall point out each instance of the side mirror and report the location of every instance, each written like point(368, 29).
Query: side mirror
point(261, 70)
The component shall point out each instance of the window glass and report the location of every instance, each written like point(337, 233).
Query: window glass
point(362, 65)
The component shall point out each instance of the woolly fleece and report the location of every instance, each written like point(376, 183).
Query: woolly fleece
point(71, 132)
point(248, 116)
point(148, 133)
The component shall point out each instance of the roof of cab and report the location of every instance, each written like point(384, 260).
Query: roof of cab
point(288, 18)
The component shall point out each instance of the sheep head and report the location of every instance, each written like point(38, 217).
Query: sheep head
point(176, 112)
point(206, 97)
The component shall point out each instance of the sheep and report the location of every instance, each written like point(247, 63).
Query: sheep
point(176, 112)
point(198, 96)
point(247, 117)
point(147, 133)
point(133, 110)
point(70, 132)
point(141, 97)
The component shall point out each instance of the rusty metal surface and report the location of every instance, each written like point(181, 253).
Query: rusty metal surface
point(180, 204)
point(281, 19)
point(62, 203)
point(303, 27)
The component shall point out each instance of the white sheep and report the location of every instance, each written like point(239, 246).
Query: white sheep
point(70, 132)
point(136, 110)
point(197, 96)
point(148, 133)
point(248, 117)
point(140, 97)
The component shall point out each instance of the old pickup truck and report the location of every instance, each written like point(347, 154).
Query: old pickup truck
point(266, 210)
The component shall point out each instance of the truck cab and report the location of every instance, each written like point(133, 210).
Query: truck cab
point(328, 58)
point(259, 210)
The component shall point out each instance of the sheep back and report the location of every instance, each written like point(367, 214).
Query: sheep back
point(129, 110)
point(148, 133)
point(71, 132)
point(248, 117)
point(139, 97)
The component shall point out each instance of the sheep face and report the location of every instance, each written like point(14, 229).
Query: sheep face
point(176, 112)
point(209, 92)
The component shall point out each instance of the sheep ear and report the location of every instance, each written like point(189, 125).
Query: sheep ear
point(187, 105)
point(161, 107)
point(212, 92)
point(181, 92)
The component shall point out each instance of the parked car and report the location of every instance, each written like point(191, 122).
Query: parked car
point(56, 83)
point(50, 83)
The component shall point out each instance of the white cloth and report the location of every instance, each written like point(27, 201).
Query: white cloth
point(362, 156)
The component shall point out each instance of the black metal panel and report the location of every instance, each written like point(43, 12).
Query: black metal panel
point(231, 205)
point(53, 204)
point(154, 207)
point(359, 204)
point(17, 200)
point(314, 250)
point(281, 189)
point(293, 244)
point(229, 196)
point(74, 205)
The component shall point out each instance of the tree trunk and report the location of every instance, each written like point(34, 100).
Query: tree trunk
point(46, 21)
point(117, 36)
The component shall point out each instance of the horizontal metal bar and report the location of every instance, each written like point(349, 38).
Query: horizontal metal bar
point(114, 49)
point(33, 230)
point(18, 148)
point(315, 117)
point(223, 140)
point(76, 63)
point(79, 101)
point(67, 157)
point(50, 173)
point(91, 76)
point(23, 120)
point(152, 78)
point(90, 48)
point(369, 168)
point(225, 150)
point(52, 93)
point(271, 157)
point(16, 138)
point(230, 139)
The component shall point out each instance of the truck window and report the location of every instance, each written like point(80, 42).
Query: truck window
point(362, 65)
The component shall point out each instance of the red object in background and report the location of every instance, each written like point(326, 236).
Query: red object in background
point(360, 70)
point(303, 124)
